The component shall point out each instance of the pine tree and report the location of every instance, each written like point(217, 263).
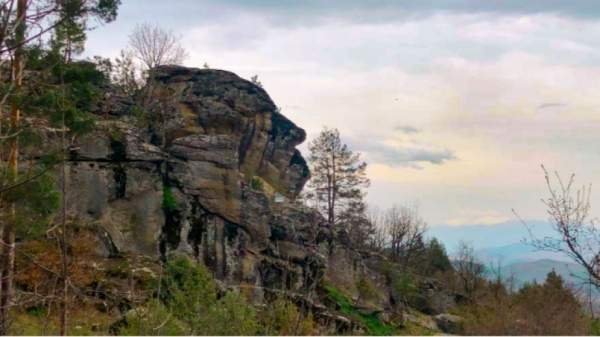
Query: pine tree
point(338, 175)
point(32, 19)
point(356, 221)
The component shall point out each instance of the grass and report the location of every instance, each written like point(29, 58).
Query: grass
point(371, 321)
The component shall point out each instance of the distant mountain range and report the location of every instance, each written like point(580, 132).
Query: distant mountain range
point(526, 264)
point(536, 271)
point(486, 236)
point(502, 245)
point(517, 253)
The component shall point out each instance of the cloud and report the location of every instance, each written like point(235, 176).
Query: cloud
point(551, 107)
point(392, 10)
point(483, 78)
point(411, 155)
point(407, 129)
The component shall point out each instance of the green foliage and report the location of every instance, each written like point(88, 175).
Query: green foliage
point(106, 9)
point(188, 304)
point(371, 321)
point(153, 318)
point(189, 292)
point(61, 90)
point(35, 200)
point(69, 34)
point(256, 184)
point(595, 327)
point(169, 203)
point(436, 257)
point(404, 284)
point(281, 317)
point(327, 151)
point(141, 116)
point(232, 316)
point(58, 93)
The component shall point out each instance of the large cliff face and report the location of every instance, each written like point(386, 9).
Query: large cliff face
point(210, 169)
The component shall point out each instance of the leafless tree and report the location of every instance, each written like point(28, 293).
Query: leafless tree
point(155, 46)
point(405, 230)
point(376, 217)
point(577, 232)
point(468, 268)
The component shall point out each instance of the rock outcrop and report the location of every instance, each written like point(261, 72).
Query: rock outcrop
point(209, 169)
point(204, 164)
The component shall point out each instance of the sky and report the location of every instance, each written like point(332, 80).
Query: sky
point(454, 104)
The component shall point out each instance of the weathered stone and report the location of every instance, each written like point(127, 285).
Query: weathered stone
point(213, 173)
point(449, 323)
point(182, 181)
point(424, 321)
point(291, 251)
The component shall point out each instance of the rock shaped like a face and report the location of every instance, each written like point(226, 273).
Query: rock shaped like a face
point(223, 132)
point(210, 135)
point(211, 173)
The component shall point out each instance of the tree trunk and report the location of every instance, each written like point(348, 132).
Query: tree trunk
point(8, 235)
point(333, 188)
point(63, 237)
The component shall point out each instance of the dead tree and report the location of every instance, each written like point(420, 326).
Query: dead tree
point(155, 46)
point(577, 231)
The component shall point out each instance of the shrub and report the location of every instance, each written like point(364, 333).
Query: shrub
point(152, 319)
point(283, 318)
point(232, 316)
point(537, 309)
point(189, 292)
point(188, 304)
point(404, 285)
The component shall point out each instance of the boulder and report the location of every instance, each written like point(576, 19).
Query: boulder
point(449, 323)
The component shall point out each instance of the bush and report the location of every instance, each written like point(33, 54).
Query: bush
point(232, 316)
point(537, 309)
point(152, 319)
point(404, 285)
point(188, 304)
point(189, 291)
point(283, 318)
